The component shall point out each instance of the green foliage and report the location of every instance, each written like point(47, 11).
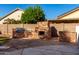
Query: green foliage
point(11, 21)
point(33, 15)
point(3, 40)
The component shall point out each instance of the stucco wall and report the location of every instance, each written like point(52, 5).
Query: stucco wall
point(71, 27)
point(3, 29)
point(30, 27)
point(7, 28)
point(59, 26)
point(12, 26)
point(71, 15)
point(16, 16)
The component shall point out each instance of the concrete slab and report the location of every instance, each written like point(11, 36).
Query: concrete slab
point(46, 50)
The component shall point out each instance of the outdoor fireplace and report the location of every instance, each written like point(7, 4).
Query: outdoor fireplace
point(41, 33)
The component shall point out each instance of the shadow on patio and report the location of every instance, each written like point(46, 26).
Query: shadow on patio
point(16, 44)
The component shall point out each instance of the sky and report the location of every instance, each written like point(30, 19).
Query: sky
point(51, 10)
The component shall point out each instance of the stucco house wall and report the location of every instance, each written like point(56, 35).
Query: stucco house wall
point(16, 15)
point(73, 14)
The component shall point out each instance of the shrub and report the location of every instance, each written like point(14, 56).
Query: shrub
point(3, 40)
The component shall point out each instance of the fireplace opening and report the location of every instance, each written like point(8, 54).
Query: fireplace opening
point(41, 33)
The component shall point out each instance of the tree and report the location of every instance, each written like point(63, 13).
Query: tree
point(11, 21)
point(33, 15)
point(39, 13)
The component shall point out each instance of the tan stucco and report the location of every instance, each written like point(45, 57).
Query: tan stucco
point(7, 29)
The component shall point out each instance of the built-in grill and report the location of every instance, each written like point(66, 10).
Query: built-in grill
point(18, 32)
